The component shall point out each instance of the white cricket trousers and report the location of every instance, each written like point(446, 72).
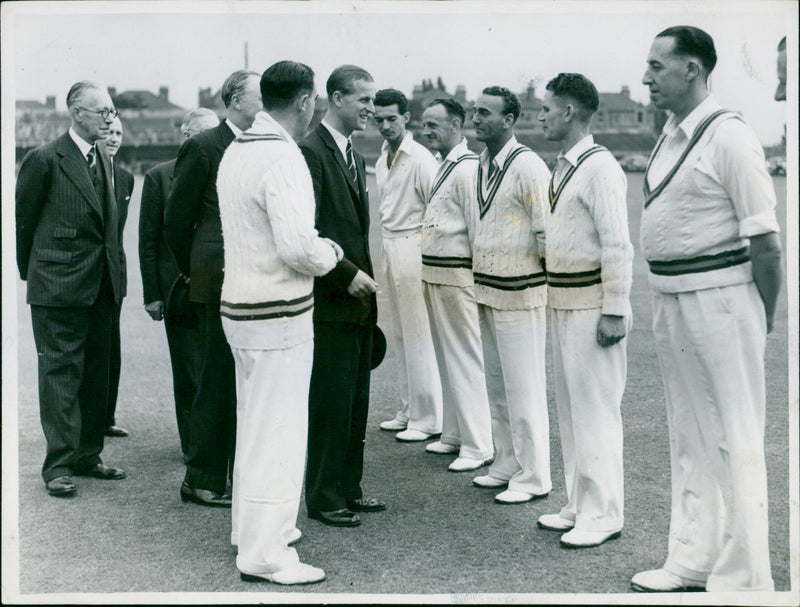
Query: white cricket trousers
point(271, 434)
point(589, 382)
point(420, 385)
point(513, 355)
point(466, 420)
point(711, 350)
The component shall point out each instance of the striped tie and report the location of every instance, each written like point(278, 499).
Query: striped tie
point(351, 163)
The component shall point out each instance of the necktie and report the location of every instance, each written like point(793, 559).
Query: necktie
point(351, 163)
point(94, 174)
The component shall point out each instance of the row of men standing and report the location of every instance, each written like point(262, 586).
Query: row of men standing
point(588, 278)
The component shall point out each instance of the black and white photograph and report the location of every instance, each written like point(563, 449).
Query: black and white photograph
point(382, 301)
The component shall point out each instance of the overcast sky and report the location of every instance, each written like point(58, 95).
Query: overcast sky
point(143, 45)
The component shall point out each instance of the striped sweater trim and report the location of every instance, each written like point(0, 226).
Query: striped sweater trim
point(571, 280)
point(249, 137)
point(650, 195)
point(446, 173)
point(555, 193)
point(494, 183)
point(268, 309)
point(703, 263)
point(447, 262)
point(511, 283)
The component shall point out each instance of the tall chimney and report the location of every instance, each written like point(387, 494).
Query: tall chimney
point(163, 92)
point(50, 102)
point(626, 91)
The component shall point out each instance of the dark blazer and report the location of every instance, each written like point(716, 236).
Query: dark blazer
point(156, 261)
point(63, 237)
point(192, 225)
point(343, 216)
point(123, 188)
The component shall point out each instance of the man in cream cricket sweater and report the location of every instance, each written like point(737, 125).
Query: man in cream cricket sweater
point(405, 171)
point(589, 273)
point(272, 253)
point(449, 291)
point(510, 288)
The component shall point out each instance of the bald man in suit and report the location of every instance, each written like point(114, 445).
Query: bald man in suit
point(68, 252)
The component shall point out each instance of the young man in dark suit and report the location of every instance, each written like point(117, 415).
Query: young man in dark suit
point(67, 231)
point(122, 183)
point(345, 309)
point(159, 271)
point(193, 231)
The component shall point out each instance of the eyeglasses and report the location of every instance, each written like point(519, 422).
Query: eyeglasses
point(106, 113)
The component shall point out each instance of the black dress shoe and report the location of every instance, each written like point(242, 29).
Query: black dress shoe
point(61, 486)
point(366, 504)
point(105, 473)
point(336, 518)
point(116, 431)
point(205, 497)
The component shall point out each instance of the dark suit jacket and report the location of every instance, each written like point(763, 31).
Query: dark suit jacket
point(343, 216)
point(156, 261)
point(123, 188)
point(192, 224)
point(63, 238)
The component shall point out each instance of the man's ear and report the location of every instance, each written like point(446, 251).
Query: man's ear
point(406, 117)
point(693, 69)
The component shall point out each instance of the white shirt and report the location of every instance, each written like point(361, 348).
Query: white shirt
point(237, 132)
point(83, 145)
point(404, 189)
point(340, 140)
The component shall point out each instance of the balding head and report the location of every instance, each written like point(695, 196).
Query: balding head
point(196, 121)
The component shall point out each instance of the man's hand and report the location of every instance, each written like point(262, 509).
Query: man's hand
point(610, 330)
point(362, 285)
point(336, 248)
point(155, 310)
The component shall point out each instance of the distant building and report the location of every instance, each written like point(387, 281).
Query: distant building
point(618, 113)
point(530, 106)
point(213, 101)
point(31, 106)
point(145, 103)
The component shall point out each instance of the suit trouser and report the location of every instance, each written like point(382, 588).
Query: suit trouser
point(711, 350)
point(338, 403)
point(589, 382)
point(184, 355)
point(420, 385)
point(466, 420)
point(114, 366)
point(73, 345)
point(271, 432)
point(212, 424)
point(513, 354)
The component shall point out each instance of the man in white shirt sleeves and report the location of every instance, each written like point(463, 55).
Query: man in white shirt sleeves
point(589, 274)
point(710, 237)
point(272, 253)
point(405, 171)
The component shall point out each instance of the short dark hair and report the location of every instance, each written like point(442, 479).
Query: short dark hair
point(235, 85)
point(343, 77)
point(386, 97)
point(782, 44)
point(578, 88)
point(283, 81)
point(511, 103)
point(78, 90)
point(694, 42)
point(453, 108)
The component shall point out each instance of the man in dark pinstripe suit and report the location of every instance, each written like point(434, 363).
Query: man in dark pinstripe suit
point(68, 251)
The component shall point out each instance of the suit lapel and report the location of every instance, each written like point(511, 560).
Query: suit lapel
point(224, 137)
point(74, 166)
point(327, 139)
point(111, 199)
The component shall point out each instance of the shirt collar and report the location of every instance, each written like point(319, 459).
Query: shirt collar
point(689, 124)
point(237, 132)
point(83, 145)
point(500, 158)
point(265, 124)
point(458, 150)
point(405, 145)
point(576, 150)
point(340, 140)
